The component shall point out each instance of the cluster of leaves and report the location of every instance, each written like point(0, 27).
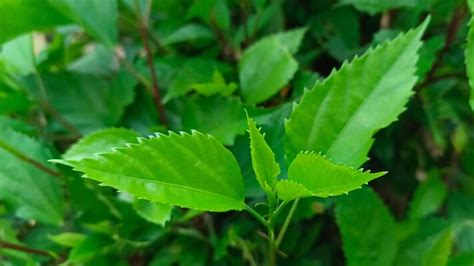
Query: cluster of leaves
point(217, 132)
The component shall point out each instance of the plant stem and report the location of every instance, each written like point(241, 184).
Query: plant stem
point(20, 155)
point(256, 215)
point(286, 223)
point(271, 246)
point(143, 27)
point(8, 245)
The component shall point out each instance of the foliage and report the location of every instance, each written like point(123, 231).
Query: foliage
point(225, 132)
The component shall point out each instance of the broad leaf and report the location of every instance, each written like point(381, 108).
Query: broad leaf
point(88, 102)
point(223, 118)
point(325, 178)
point(189, 170)
point(263, 159)
point(367, 229)
point(154, 212)
point(98, 17)
point(99, 142)
point(264, 69)
point(30, 192)
point(339, 116)
point(428, 196)
point(22, 16)
point(470, 60)
point(429, 244)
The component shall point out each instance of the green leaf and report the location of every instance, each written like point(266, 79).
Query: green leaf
point(428, 244)
point(223, 118)
point(189, 170)
point(98, 17)
point(102, 102)
point(288, 190)
point(30, 192)
point(186, 33)
point(264, 69)
point(22, 16)
point(291, 39)
point(339, 116)
point(438, 254)
point(93, 246)
point(428, 197)
point(325, 178)
point(17, 55)
point(263, 159)
point(154, 212)
point(469, 53)
point(100, 141)
point(367, 229)
point(465, 259)
point(202, 75)
point(68, 239)
point(376, 6)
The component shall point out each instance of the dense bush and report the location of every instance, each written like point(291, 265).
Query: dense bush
point(235, 132)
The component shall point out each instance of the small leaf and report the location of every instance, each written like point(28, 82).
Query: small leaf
point(469, 53)
point(68, 239)
point(376, 6)
point(154, 212)
point(263, 159)
point(189, 170)
point(99, 142)
point(428, 197)
point(264, 69)
point(325, 178)
point(288, 190)
point(291, 39)
point(339, 116)
point(367, 228)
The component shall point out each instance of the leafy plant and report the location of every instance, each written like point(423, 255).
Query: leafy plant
point(236, 132)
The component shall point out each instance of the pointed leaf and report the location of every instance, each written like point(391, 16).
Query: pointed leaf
point(154, 212)
point(367, 229)
point(470, 60)
point(99, 142)
point(325, 178)
point(263, 159)
point(31, 193)
point(289, 190)
point(264, 69)
point(428, 196)
point(189, 170)
point(339, 116)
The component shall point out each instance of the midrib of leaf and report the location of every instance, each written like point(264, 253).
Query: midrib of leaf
point(364, 102)
point(161, 183)
point(202, 166)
